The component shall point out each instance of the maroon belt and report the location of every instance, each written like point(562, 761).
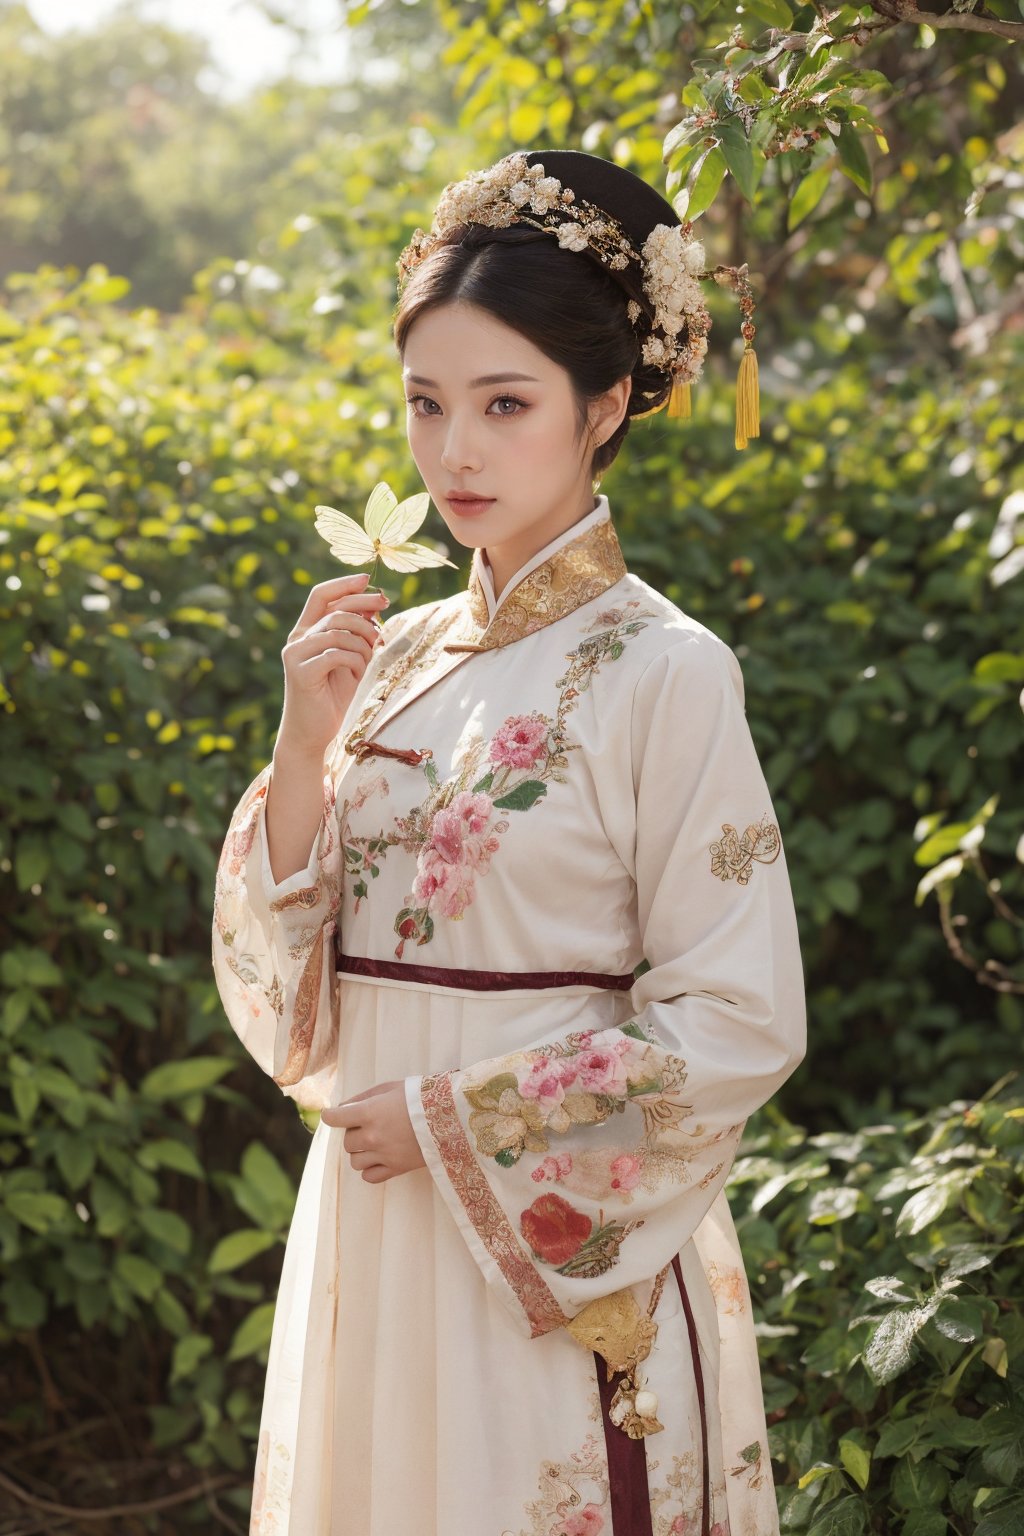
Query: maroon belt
point(627, 1459)
point(479, 981)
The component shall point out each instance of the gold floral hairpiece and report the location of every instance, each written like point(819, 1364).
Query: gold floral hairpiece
point(671, 264)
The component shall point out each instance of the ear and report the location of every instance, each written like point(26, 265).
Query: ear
point(608, 410)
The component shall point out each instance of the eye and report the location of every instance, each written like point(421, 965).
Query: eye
point(411, 400)
point(512, 400)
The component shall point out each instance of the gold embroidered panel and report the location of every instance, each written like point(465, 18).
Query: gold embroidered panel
point(575, 574)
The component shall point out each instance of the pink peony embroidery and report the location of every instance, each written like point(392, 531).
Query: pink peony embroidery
point(476, 852)
point(601, 1071)
point(473, 809)
point(543, 1082)
point(624, 1171)
point(588, 1521)
point(456, 853)
point(552, 1168)
point(520, 742)
point(452, 884)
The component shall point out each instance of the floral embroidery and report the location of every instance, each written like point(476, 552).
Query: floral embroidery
point(271, 1489)
point(581, 1080)
point(482, 1207)
point(733, 856)
point(455, 832)
point(567, 1239)
point(728, 1287)
point(683, 1490)
point(753, 1467)
point(306, 952)
point(561, 1509)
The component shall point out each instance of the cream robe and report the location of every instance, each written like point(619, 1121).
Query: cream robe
point(579, 794)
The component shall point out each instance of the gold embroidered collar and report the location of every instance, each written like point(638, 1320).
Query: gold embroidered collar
point(573, 575)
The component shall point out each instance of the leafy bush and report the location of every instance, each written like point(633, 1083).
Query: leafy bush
point(888, 1277)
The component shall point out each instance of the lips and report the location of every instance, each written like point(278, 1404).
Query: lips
point(469, 504)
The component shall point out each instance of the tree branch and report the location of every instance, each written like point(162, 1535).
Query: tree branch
point(963, 21)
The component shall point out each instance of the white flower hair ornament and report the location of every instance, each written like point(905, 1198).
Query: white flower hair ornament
point(674, 325)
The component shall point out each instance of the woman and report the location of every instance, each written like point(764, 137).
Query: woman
point(512, 1302)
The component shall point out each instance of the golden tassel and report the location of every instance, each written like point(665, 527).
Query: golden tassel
point(679, 404)
point(748, 419)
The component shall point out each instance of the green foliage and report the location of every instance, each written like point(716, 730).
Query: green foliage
point(888, 1279)
point(864, 556)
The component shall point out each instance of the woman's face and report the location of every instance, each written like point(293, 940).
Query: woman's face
point(489, 413)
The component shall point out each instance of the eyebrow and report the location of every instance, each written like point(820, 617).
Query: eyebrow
point(487, 378)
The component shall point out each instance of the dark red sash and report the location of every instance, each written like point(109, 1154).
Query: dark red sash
point(627, 1459)
point(480, 981)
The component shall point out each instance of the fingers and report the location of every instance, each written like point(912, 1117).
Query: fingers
point(350, 590)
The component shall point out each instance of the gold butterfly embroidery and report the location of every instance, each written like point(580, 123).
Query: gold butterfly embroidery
point(732, 858)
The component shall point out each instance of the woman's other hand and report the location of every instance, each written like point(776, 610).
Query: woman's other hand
point(379, 1137)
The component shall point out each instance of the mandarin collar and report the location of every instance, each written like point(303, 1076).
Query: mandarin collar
point(574, 567)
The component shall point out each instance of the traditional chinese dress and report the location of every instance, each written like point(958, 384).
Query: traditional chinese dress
point(549, 894)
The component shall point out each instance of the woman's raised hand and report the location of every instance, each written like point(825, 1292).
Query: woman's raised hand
point(324, 659)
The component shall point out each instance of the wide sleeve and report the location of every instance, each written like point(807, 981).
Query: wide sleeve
point(580, 1164)
point(273, 946)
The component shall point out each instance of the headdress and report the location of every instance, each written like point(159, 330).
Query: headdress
point(613, 217)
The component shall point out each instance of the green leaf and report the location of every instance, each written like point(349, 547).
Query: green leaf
point(924, 1522)
point(856, 1459)
point(704, 183)
point(25, 1303)
point(76, 1158)
point(175, 1079)
point(960, 1319)
point(188, 1353)
point(842, 892)
point(170, 1313)
point(522, 797)
point(892, 1344)
point(830, 1205)
point(919, 1484)
point(142, 1277)
point(1007, 1520)
point(808, 194)
point(167, 1227)
point(253, 1337)
point(1000, 667)
point(238, 1248)
point(845, 1516)
point(744, 161)
point(889, 1288)
point(774, 13)
point(36, 1209)
point(261, 1169)
point(853, 158)
point(841, 727)
point(169, 1152)
point(928, 1204)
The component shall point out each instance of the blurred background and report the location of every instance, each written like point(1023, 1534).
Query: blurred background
point(201, 207)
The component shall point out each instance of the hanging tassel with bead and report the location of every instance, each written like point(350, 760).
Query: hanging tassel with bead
point(679, 402)
point(748, 417)
point(748, 404)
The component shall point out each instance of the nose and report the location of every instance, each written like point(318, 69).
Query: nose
point(459, 453)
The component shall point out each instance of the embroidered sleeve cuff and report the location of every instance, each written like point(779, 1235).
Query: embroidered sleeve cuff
point(502, 1260)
